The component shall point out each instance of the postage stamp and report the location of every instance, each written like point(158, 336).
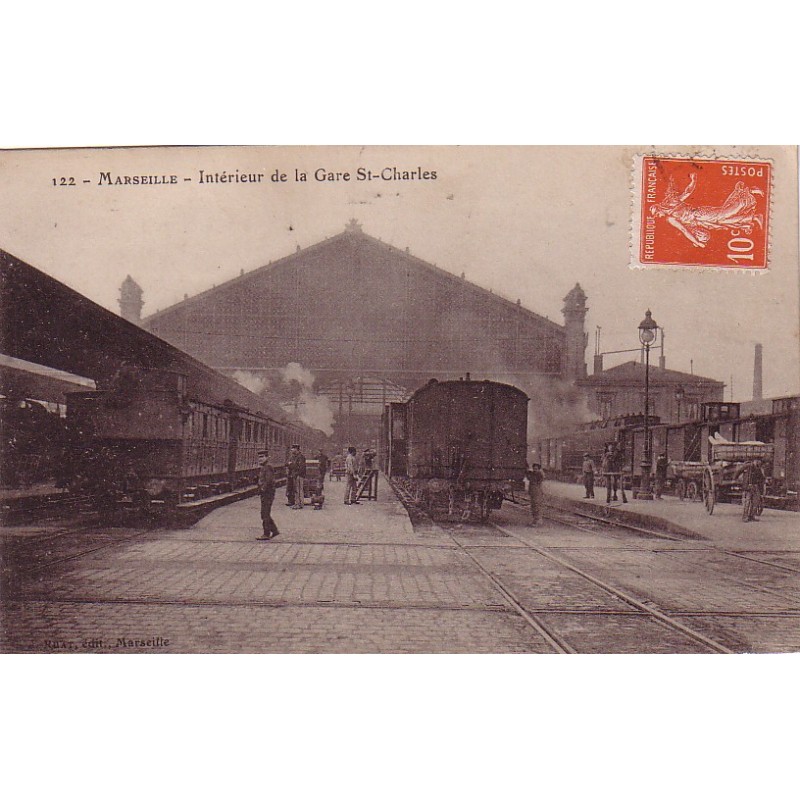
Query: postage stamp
point(701, 212)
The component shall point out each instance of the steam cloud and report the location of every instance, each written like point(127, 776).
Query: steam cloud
point(293, 390)
point(250, 380)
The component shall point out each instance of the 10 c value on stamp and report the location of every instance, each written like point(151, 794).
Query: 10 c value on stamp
point(701, 212)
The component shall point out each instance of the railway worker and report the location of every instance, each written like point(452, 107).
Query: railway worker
point(297, 474)
point(351, 476)
point(266, 489)
point(607, 467)
point(536, 492)
point(588, 475)
point(323, 465)
point(662, 462)
point(617, 461)
point(753, 480)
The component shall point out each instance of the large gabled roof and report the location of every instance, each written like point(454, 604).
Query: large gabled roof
point(632, 372)
point(353, 229)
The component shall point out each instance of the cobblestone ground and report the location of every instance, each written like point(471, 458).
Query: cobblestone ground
point(363, 579)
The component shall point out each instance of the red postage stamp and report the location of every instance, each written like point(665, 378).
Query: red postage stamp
point(701, 212)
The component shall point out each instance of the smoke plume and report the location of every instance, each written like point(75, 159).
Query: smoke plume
point(312, 409)
point(250, 381)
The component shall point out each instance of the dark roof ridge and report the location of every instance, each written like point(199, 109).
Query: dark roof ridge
point(349, 232)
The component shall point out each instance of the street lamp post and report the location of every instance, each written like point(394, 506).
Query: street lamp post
point(648, 333)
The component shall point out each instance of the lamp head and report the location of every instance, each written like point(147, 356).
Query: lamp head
point(648, 329)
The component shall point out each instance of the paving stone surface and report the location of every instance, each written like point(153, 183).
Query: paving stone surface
point(363, 579)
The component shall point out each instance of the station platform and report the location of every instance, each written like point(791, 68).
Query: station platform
point(775, 530)
point(36, 491)
point(385, 517)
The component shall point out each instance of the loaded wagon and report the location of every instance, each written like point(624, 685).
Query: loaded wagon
point(722, 476)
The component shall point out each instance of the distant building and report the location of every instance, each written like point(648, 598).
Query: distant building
point(130, 300)
point(674, 396)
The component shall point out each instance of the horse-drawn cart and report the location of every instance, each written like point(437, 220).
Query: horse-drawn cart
point(687, 477)
point(726, 479)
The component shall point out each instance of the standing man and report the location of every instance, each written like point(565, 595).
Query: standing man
point(266, 488)
point(290, 481)
point(588, 475)
point(351, 476)
point(536, 492)
point(618, 460)
point(369, 457)
point(662, 462)
point(607, 466)
point(297, 473)
point(323, 465)
point(753, 480)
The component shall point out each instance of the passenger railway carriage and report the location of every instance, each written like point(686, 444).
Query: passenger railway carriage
point(146, 440)
point(457, 446)
point(687, 444)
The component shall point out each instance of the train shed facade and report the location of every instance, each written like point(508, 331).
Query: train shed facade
point(353, 306)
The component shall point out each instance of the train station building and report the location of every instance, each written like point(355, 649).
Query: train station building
point(675, 396)
point(372, 323)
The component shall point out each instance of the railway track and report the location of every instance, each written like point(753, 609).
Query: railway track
point(638, 606)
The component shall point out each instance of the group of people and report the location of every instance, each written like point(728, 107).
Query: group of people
point(295, 486)
point(296, 482)
point(611, 468)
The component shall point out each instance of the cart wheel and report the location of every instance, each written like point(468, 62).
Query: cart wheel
point(681, 490)
point(692, 492)
point(709, 490)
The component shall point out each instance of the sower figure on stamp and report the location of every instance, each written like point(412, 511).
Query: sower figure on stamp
point(588, 475)
point(266, 489)
point(536, 492)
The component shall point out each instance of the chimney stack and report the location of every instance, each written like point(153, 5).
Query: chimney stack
point(598, 363)
point(662, 359)
point(758, 378)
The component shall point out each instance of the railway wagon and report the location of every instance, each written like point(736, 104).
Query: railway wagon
point(145, 441)
point(392, 452)
point(464, 445)
point(688, 446)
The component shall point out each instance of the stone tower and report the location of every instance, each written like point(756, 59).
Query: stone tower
point(576, 337)
point(130, 300)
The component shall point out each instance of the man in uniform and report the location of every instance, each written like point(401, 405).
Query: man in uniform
point(323, 465)
point(588, 475)
point(536, 492)
point(297, 474)
point(266, 489)
point(753, 479)
point(662, 462)
point(351, 476)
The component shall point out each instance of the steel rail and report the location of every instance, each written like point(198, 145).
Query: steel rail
point(624, 596)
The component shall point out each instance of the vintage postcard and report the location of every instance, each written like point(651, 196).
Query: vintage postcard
point(400, 400)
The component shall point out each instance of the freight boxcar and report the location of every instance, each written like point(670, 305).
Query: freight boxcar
point(458, 446)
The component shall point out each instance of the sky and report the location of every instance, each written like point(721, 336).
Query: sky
point(526, 222)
